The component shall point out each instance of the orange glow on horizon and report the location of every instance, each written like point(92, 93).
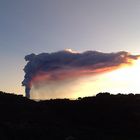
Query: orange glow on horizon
point(125, 79)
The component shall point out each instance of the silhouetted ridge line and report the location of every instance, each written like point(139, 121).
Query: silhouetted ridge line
point(101, 117)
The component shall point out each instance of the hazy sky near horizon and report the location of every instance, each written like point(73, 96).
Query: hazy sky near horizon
point(36, 26)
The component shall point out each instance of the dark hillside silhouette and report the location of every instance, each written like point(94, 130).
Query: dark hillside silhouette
point(103, 117)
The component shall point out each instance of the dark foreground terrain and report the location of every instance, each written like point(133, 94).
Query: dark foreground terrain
point(104, 117)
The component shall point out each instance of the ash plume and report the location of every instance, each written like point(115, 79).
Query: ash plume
point(62, 65)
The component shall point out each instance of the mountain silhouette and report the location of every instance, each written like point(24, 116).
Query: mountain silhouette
point(101, 117)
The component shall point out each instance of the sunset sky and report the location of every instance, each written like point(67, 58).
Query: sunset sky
point(37, 26)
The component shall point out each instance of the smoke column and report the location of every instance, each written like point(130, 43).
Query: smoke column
point(67, 64)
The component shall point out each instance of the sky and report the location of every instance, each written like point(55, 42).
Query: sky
point(36, 26)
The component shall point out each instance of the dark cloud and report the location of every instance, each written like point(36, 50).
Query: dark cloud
point(67, 63)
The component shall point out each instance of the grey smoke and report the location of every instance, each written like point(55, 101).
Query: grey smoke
point(66, 60)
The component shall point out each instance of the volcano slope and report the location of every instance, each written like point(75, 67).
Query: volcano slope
point(103, 117)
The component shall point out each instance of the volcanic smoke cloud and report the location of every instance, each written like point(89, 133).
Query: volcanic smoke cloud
point(67, 64)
